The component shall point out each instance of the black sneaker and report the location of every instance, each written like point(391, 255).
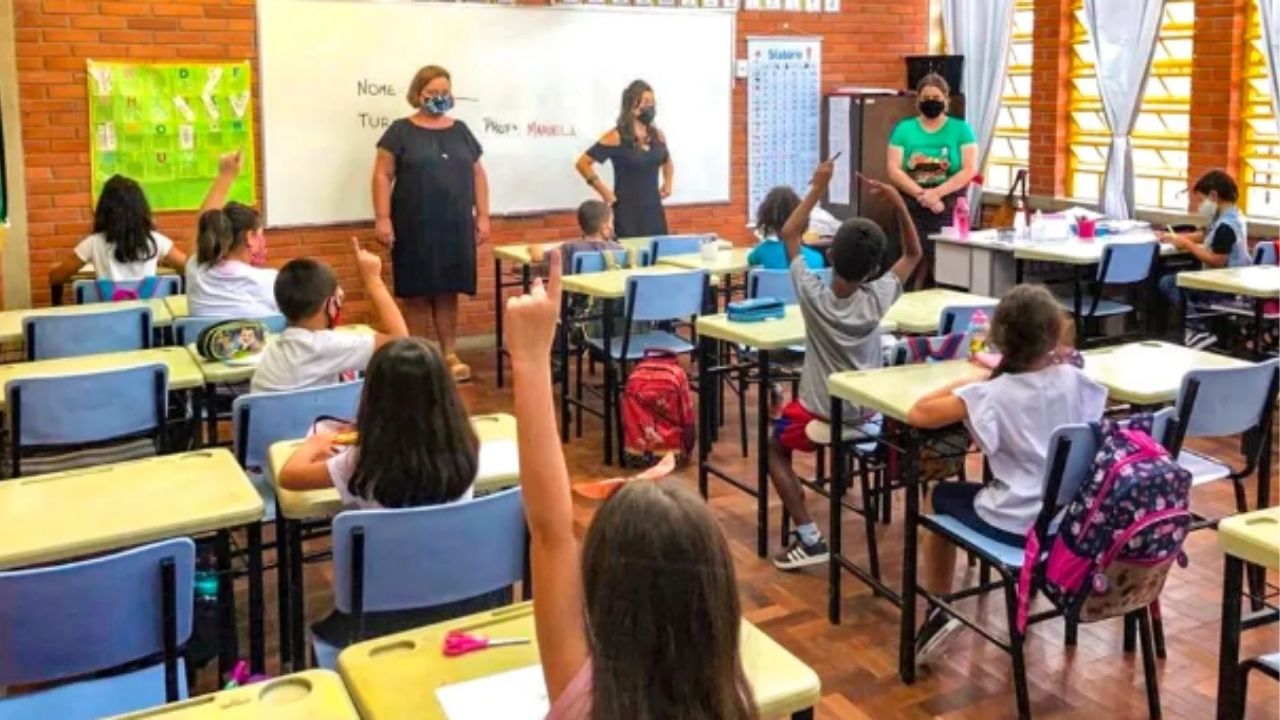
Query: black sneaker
point(799, 555)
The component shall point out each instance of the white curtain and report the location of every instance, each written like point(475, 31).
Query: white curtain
point(1271, 32)
point(1123, 35)
point(980, 31)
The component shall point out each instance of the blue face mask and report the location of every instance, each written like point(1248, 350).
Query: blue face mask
point(437, 104)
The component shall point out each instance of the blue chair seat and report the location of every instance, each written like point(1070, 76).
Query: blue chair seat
point(640, 343)
point(1007, 555)
point(1106, 308)
point(109, 696)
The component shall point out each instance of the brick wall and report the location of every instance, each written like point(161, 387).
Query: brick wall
point(1050, 80)
point(864, 45)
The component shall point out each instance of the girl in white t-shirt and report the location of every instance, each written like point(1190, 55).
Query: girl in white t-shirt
point(1011, 416)
point(414, 446)
point(229, 278)
point(124, 245)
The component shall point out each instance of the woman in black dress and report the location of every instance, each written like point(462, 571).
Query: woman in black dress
point(638, 150)
point(431, 201)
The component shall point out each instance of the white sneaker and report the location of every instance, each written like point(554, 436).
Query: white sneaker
point(1199, 340)
point(928, 645)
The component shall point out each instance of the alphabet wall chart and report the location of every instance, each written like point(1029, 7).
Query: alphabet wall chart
point(784, 106)
point(166, 124)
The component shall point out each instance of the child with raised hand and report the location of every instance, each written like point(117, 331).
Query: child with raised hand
point(771, 215)
point(842, 332)
point(1035, 388)
point(311, 352)
point(643, 620)
point(229, 278)
point(124, 245)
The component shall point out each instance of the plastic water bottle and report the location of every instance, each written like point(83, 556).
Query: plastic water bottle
point(978, 328)
point(1020, 222)
point(1037, 227)
point(960, 218)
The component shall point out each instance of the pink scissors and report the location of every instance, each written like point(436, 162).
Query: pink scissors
point(457, 642)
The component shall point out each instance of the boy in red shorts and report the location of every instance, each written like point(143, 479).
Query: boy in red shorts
point(842, 332)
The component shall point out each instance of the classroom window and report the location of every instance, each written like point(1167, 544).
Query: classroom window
point(1162, 129)
point(1260, 149)
point(1010, 145)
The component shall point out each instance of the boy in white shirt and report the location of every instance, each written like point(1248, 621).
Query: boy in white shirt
point(1011, 415)
point(310, 352)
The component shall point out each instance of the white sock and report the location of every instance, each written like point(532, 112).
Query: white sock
point(809, 533)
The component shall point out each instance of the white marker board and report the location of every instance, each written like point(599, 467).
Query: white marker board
point(546, 82)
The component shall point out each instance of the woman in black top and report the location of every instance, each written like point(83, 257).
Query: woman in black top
point(431, 201)
point(638, 150)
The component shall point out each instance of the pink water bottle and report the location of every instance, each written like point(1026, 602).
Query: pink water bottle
point(960, 218)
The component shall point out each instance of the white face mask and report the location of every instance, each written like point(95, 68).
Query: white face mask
point(1209, 208)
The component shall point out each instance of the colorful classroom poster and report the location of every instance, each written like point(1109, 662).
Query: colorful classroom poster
point(784, 110)
point(165, 125)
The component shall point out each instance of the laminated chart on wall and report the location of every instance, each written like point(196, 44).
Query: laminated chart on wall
point(784, 112)
point(166, 124)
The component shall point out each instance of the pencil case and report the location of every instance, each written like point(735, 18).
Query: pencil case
point(756, 309)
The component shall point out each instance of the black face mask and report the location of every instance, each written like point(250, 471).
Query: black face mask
point(932, 108)
point(647, 113)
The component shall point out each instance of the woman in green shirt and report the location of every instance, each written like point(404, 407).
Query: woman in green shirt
point(932, 159)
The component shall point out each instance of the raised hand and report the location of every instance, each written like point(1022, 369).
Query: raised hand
point(530, 325)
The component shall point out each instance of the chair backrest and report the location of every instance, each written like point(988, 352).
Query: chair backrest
point(669, 296)
point(1072, 449)
point(1265, 253)
point(956, 318)
point(187, 329)
point(593, 261)
point(778, 284)
point(93, 407)
point(81, 617)
point(1225, 401)
point(261, 419)
point(89, 333)
point(1127, 263)
point(475, 547)
point(86, 291)
point(664, 245)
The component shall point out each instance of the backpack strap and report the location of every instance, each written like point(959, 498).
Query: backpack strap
point(610, 259)
point(949, 347)
point(105, 288)
point(147, 288)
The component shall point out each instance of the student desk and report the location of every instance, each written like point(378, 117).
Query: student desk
point(727, 263)
point(294, 507)
point(608, 286)
point(11, 321)
point(1252, 538)
point(62, 516)
point(1258, 283)
point(1148, 373)
point(177, 305)
point(890, 391)
point(310, 695)
point(216, 372)
point(397, 676)
point(518, 254)
point(918, 313)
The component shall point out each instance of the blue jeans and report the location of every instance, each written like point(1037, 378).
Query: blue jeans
point(1173, 294)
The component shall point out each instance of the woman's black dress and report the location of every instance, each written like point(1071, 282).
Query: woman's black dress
point(638, 212)
point(432, 208)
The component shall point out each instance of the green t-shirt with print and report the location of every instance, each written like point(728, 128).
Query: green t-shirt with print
point(930, 158)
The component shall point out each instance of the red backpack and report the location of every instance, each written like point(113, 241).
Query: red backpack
point(657, 410)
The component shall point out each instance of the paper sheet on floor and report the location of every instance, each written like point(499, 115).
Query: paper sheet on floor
point(514, 695)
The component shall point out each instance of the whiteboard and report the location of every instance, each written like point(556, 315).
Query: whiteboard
point(544, 83)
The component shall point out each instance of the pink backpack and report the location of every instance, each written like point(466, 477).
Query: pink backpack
point(657, 410)
point(1120, 535)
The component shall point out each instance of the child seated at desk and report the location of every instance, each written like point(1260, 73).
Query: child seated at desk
point(124, 245)
point(772, 214)
point(842, 332)
point(310, 352)
point(1033, 390)
point(414, 446)
point(643, 620)
point(1223, 242)
point(229, 278)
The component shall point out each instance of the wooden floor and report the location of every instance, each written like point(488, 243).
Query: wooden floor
point(857, 660)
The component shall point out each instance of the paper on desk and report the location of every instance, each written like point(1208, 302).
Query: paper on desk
point(513, 695)
point(498, 458)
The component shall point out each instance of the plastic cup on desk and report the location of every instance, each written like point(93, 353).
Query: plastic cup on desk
point(710, 251)
point(1087, 228)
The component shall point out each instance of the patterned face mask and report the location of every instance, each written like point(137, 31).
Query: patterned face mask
point(438, 104)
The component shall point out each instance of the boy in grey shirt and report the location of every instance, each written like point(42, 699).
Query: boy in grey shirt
point(842, 332)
